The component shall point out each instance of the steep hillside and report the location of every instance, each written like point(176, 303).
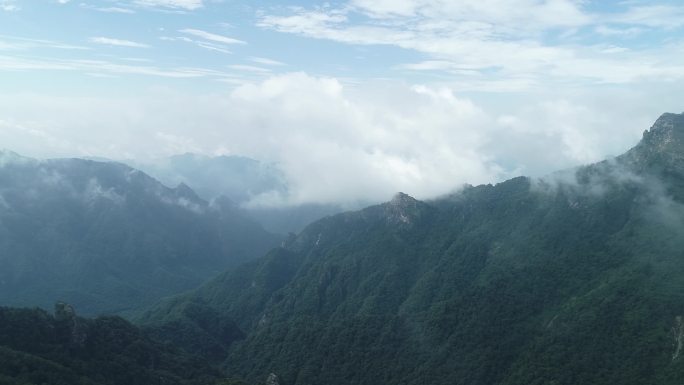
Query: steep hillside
point(577, 278)
point(109, 238)
point(63, 349)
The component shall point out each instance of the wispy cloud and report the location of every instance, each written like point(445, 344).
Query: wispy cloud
point(212, 47)
point(211, 36)
point(15, 63)
point(207, 40)
point(652, 15)
point(8, 5)
point(108, 9)
point(249, 68)
point(617, 31)
point(266, 61)
point(188, 5)
point(117, 42)
point(22, 43)
point(514, 42)
point(208, 45)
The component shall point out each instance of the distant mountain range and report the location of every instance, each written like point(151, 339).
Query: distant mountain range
point(109, 238)
point(247, 182)
point(575, 278)
point(237, 178)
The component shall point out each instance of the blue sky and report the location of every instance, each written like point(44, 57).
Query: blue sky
point(486, 45)
point(220, 43)
point(355, 99)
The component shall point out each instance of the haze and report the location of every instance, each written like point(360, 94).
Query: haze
point(354, 100)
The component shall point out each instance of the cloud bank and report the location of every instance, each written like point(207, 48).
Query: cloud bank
point(339, 142)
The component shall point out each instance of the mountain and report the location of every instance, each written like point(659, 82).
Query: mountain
point(291, 219)
point(109, 238)
point(575, 278)
point(236, 177)
point(63, 349)
point(244, 181)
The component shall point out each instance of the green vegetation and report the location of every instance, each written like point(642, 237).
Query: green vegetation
point(39, 348)
point(574, 279)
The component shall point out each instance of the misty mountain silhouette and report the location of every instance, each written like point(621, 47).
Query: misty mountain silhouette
point(244, 181)
point(108, 238)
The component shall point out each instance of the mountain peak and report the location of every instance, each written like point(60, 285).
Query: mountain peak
point(666, 134)
point(8, 157)
point(184, 191)
point(401, 199)
point(403, 208)
point(662, 146)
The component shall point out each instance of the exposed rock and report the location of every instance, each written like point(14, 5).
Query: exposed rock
point(65, 313)
point(402, 209)
point(678, 337)
point(289, 240)
point(663, 141)
point(272, 379)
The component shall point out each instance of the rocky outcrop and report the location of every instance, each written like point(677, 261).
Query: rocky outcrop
point(78, 330)
point(677, 337)
point(402, 209)
point(662, 144)
point(272, 379)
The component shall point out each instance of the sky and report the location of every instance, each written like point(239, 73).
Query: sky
point(355, 100)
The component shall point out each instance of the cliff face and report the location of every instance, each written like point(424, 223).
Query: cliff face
point(662, 146)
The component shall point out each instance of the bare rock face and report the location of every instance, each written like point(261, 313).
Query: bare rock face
point(667, 133)
point(663, 143)
point(677, 337)
point(65, 313)
point(272, 379)
point(402, 209)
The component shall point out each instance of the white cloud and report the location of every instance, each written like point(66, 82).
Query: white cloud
point(189, 5)
point(21, 43)
point(616, 31)
point(499, 42)
point(521, 14)
point(211, 36)
point(208, 41)
point(340, 143)
point(655, 16)
point(94, 192)
point(101, 67)
point(249, 68)
point(200, 43)
point(266, 61)
point(108, 9)
point(9, 5)
point(213, 47)
point(117, 42)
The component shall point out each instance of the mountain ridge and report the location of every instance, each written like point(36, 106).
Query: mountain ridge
point(553, 281)
point(107, 238)
point(262, 190)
